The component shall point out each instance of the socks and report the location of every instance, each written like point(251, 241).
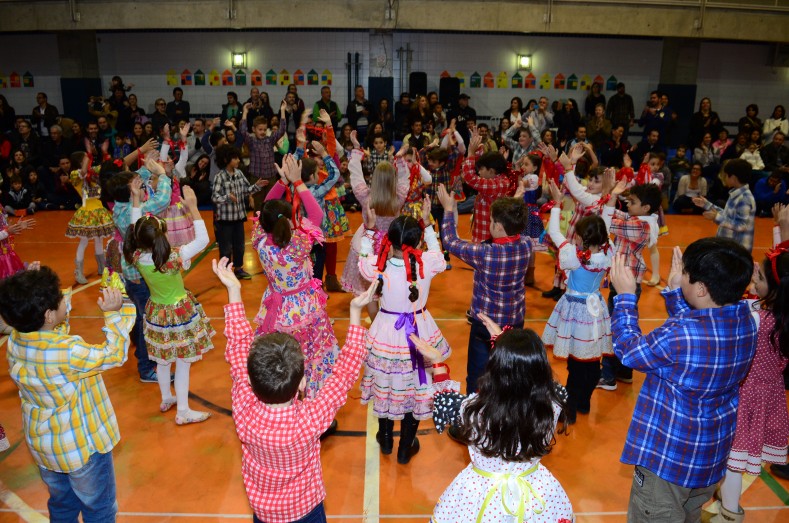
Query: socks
point(83, 244)
point(163, 377)
point(182, 385)
point(731, 490)
point(654, 256)
point(98, 246)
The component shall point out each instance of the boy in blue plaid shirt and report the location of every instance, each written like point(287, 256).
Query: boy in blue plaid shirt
point(685, 416)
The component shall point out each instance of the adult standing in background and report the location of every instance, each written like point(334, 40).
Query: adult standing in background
point(594, 97)
point(598, 128)
point(329, 105)
point(44, 115)
point(620, 109)
point(515, 112)
point(542, 116)
point(259, 105)
point(750, 121)
point(386, 119)
point(704, 121)
point(401, 110)
point(462, 114)
point(178, 110)
point(299, 102)
point(232, 108)
point(654, 117)
point(776, 122)
point(360, 111)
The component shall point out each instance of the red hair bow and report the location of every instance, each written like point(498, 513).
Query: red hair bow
point(494, 338)
point(118, 163)
point(773, 255)
point(417, 254)
point(584, 256)
point(383, 252)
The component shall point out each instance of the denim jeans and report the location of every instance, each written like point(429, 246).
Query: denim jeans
point(89, 490)
point(139, 294)
point(316, 515)
point(478, 353)
point(612, 367)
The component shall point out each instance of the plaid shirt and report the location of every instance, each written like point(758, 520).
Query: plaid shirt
point(374, 158)
point(442, 175)
point(66, 412)
point(498, 273)
point(281, 463)
point(226, 210)
point(518, 151)
point(261, 151)
point(684, 419)
point(736, 220)
point(488, 191)
point(631, 236)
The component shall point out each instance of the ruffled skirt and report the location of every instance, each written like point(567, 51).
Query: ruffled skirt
point(335, 223)
point(180, 229)
point(181, 330)
point(579, 328)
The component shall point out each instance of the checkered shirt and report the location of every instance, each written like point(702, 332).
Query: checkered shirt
point(684, 419)
point(736, 220)
point(488, 191)
point(631, 237)
point(498, 273)
point(443, 175)
point(225, 184)
point(281, 462)
point(374, 158)
point(261, 152)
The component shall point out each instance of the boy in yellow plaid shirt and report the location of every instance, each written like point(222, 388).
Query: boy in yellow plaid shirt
point(69, 423)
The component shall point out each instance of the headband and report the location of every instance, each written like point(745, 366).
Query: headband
point(773, 255)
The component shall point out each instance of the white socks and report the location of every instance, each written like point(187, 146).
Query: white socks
point(731, 490)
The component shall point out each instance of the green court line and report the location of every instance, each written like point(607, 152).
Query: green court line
point(775, 486)
point(200, 258)
point(11, 449)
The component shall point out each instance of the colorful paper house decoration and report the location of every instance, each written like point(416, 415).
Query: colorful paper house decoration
point(241, 77)
point(27, 79)
point(517, 81)
point(227, 77)
point(545, 81)
point(530, 82)
point(559, 81)
point(16, 80)
point(284, 77)
point(572, 82)
point(326, 77)
point(186, 77)
point(312, 77)
point(444, 74)
point(599, 80)
point(502, 80)
point(462, 77)
point(298, 77)
point(199, 77)
point(586, 82)
point(172, 78)
point(3, 81)
point(271, 77)
point(610, 84)
point(257, 78)
point(475, 80)
point(213, 78)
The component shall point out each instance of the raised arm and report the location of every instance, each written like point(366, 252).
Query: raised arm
point(119, 319)
point(200, 241)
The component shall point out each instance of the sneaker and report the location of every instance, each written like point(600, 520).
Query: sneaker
point(606, 385)
point(149, 377)
point(624, 380)
point(780, 471)
point(241, 274)
point(449, 266)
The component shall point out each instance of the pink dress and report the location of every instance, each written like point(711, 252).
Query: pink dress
point(294, 302)
point(351, 280)
point(762, 417)
point(10, 263)
point(394, 375)
point(180, 229)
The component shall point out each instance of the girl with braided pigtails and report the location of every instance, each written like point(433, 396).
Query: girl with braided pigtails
point(397, 377)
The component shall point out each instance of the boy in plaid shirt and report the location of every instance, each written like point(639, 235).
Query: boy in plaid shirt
point(684, 420)
point(261, 146)
point(280, 433)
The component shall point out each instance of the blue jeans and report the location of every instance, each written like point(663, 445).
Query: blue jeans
point(478, 353)
point(316, 515)
point(89, 490)
point(612, 367)
point(139, 294)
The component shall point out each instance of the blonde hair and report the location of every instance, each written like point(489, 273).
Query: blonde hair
point(383, 190)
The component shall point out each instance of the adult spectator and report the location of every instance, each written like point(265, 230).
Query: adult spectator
point(705, 154)
point(650, 144)
point(736, 149)
point(673, 117)
point(598, 127)
point(299, 102)
point(594, 98)
point(106, 132)
point(198, 178)
point(328, 105)
point(541, 115)
point(232, 108)
point(515, 112)
point(386, 118)
point(488, 144)
point(136, 112)
point(94, 145)
point(63, 195)
point(620, 110)
point(461, 115)
point(52, 150)
point(259, 105)
point(44, 115)
point(195, 139)
point(776, 122)
point(750, 121)
point(292, 119)
point(776, 154)
point(7, 116)
point(768, 191)
point(159, 117)
point(119, 111)
point(178, 110)
point(360, 111)
point(690, 186)
point(27, 141)
point(420, 110)
point(705, 120)
point(654, 117)
point(567, 121)
point(580, 137)
point(401, 110)
point(77, 139)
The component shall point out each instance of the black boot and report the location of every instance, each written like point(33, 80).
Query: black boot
point(551, 293)
point(385, 436)
point(409, 445)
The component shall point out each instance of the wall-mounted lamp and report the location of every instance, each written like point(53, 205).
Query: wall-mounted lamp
point(524, 62)
point(239, 60)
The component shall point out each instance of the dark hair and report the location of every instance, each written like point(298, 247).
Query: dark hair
point(438, 155)
point(525, 130)
point(15, 179)
point(592, 231)
point(107, 171)
point(308, 168)
point(722, 265)
point(777, 300)
point(214, 138)
point(536, 160)
point(175, 90)
point(225, 153)
point(26, 296)
point(648, 194)
point(117, 187)
point(275, 366)
point(483, 126)
point(275, 220)
point(738, 168)
point(783, 111)
point(511, 213)
point(234, 95)
point(512, 416)
point(148, 234)
point(493, 160)
point(76, 159)
point(405, 231)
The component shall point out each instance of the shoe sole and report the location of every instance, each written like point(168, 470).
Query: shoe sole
point(625, 380)
point(606, 387)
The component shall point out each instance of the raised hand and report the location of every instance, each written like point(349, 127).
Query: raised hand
point(136, 188)
point(369, 222)
point(318, 148)
point(223, 269)
point(189, 199)
point(554, 191)
point(492, 326)
point(151, 145)
point(110, 300)
point(627, 161)
point(354, 139)
point(324, 117)
point(446, 199)
point(426, 206)
point(675, 274)
point(622, 277)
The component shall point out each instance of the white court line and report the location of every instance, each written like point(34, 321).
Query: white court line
point(372, 466)
point(19, 507)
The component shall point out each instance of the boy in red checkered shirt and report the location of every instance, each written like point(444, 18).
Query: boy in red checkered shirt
point(280, 433)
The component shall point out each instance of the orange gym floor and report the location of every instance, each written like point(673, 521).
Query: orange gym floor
point(192, 473)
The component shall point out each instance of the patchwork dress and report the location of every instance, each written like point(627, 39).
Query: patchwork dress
point(91, 220)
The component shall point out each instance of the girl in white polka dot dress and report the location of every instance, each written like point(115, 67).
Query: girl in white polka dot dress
point(508, 426)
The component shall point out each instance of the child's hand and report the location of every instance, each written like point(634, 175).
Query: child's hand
point(189, 199)
point(262, 182)
point(324, 117)
point(576, 153)
point(283, 107)
point(361, 301)
point(430, 353)
point(292, 168)
point(622, 277)
point(566, 163)
point(135, 187)
point(675, 274)
point(318, 148)
point(402, 151)
point(619, 188)
point(150, 145)
point(446, 199)
point(232, 197)
point(34, 266)
point(474, 143)
point(627, 161)
point(355, 140)
point(110, 300)
point(554, 191)
point(184, 131)
point(21, 225)
point(247, 107)
point(492, 326)
point(369, 222)
point(504, 152)
point(155, 167)
point(426, 208)
point(523, 184)
point(710, 215)
point(223, 269)
point(700, 201)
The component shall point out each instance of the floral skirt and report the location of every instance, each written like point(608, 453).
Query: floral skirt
point(335, 224)
point(180, 229)
point(91, 223)
point(181, 330)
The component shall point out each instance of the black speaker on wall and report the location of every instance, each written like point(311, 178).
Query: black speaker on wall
point(448, 92)
point(417, 84)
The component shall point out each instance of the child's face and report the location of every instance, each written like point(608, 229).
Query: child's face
point(654, 165)
point(595, 185)
point(723, 136)
point(681, 152)
point(118, 141)
point(60, 313)
point(752, 147)
point(527, 166)
point(487, 173)
point(379, 144)
point(759, 281)
point(524, 139)
point(17, 186)
point(636, 208)
point(344, 166)
point(260, 130)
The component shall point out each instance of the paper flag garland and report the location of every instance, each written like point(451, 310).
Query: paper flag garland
point(559, 81)
point(298, 77)
point(186, 77)
point(462, 77)
point(199, 77)
point(476, 80)
point(545, 81)
point(572, 82)
point(257, 78)
point(284, 77)
point(502, 80)
point(530, 82)
point(27, 79)
point(312, 77)
point(326, 77)
point(241, 77)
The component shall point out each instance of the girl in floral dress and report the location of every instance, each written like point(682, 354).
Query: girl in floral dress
point(180, 229)
point(10, 263)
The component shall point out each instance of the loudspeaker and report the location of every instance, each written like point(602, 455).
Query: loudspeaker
point(417, 84)
point(448, 92)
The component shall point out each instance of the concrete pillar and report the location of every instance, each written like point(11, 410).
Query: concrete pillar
point(79, 71)
point(678, 75)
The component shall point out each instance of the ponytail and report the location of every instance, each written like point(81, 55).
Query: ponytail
point(148, 234)
point(275, 220)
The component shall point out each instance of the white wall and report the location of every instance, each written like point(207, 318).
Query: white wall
point(37, 54)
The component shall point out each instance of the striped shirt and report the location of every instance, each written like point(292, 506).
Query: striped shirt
point(736, 220)
point(66, 412)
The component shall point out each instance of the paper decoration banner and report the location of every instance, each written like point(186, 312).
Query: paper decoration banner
point(227, 77)
point(298, 77)
point(530, 82)
point(16, 80)
point(476, 80)
point(559, 82)
point(284, 77)
point(172, 78)
point(545, 81)
point(257, 78)
point(502, 81)
point(241, 77)
point(444, 74)
point(326, 77)
point(462, 77)
point(199, 77)
point(517, 81)
point(186, 77)
point(488, 81)
point(271, 77)
point(610, 84)
point(312, 77)
point(3, 81)
point(599, 80)
point(27, 79)
point(213, 78)
point(572, 82)
point(586, 82)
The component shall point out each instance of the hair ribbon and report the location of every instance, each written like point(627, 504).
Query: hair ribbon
point(773, 255)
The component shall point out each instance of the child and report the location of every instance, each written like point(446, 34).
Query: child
point(10, 263)
point(262, 144)
point(736, 220)
point(445, 169)
point(229, 194)
point(18, 199)
point(521, 140)
point(753, 157)
point(91, 221)
point(280, 433)
point(294, 302)
point(180, 229)
point(685, 415)
point(508, 427)
point(395, 378)
point(176, 328)
point(579, 328)
point(69, 422)
point(378, 153)
point(679, 165)
point(632, 231)
point(498, 266)
point(120, 149)
point(762, 417)
point(38, 190)
point(418, 179)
